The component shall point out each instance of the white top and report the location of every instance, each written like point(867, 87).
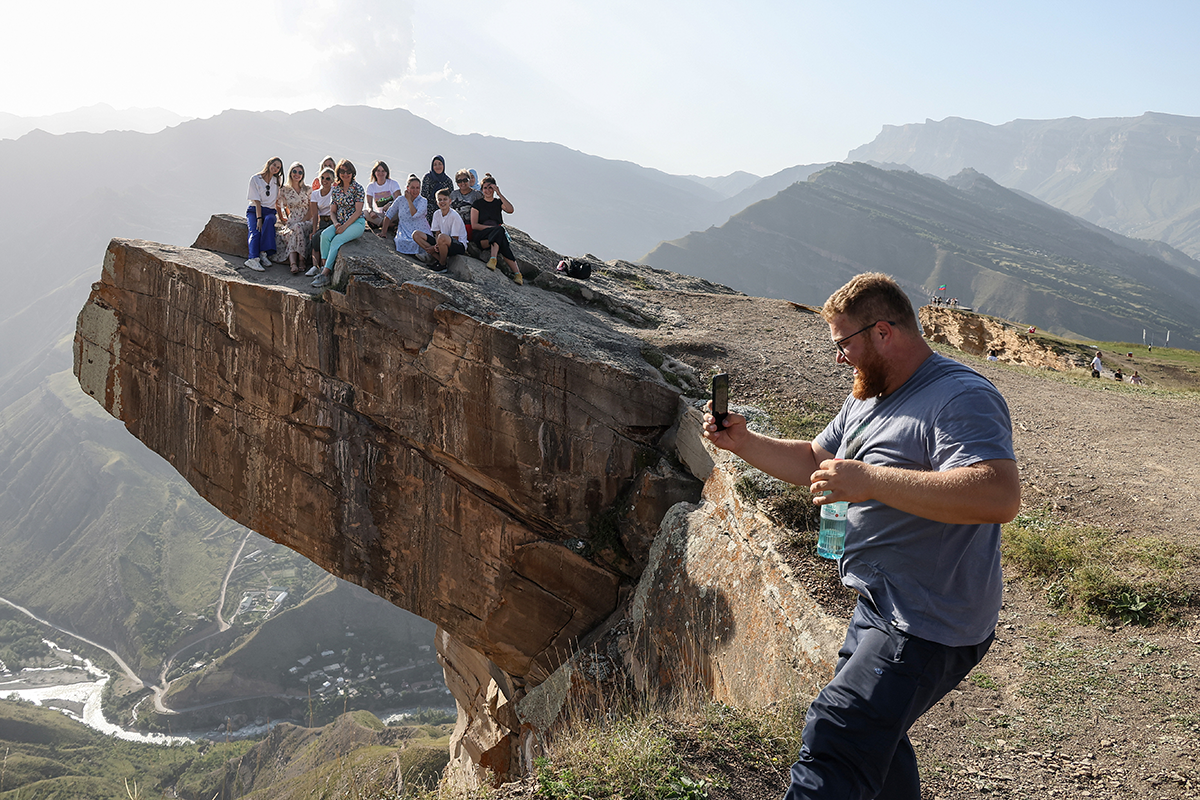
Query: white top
point(258, 191)
point(450, 224)
point(389, 189)
point(1096, 363)
point(323, 202)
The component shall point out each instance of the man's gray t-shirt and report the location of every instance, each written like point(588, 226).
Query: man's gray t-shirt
point(934, 580)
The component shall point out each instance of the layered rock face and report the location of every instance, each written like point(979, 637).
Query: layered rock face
point(980, 335)
point(496, 459)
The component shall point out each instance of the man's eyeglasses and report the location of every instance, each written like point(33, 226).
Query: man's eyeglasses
point(838, 343)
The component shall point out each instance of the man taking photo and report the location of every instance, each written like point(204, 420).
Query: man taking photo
point(922, 450)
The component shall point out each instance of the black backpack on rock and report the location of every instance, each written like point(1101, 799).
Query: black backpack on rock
point(574, 268)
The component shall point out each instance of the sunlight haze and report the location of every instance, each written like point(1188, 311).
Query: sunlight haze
point(702, 87)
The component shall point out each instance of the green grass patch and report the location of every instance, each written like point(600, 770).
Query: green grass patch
point(674, 752)
point(1097, 573)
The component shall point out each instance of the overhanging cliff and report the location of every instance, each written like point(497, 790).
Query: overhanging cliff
point(494, 458)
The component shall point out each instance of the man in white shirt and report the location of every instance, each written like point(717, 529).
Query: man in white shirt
point(449, 231)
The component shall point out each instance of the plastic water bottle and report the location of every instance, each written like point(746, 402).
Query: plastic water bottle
point(832, 541)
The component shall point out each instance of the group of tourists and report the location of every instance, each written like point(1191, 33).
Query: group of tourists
point(434, 218)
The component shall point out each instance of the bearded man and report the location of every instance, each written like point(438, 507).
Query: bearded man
point(922, 451)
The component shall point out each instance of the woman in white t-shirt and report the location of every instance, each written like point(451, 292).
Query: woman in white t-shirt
point(319, 206)
point(380, 193)
point(263, 194)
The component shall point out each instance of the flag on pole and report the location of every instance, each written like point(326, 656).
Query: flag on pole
point(942, 288)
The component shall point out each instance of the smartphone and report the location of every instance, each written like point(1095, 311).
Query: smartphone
point(720, 398)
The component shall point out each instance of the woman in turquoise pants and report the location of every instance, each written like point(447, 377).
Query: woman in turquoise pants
point(346, 208)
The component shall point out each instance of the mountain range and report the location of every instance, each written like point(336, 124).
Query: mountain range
point(86, 511)
point(92, 119)
point(995, 249)
point(1138, 176)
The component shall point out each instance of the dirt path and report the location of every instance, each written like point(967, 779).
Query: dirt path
point(1058, 708)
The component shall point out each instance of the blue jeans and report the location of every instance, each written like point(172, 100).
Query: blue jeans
point(856, 743)
point(261, 241)
point(331, 242)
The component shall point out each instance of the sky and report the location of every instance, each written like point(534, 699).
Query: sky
point(702, 88)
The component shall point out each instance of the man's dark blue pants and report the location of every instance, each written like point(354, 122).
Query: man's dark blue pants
point(856, 743)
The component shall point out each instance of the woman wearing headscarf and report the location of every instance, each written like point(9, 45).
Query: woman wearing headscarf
point(435, 179)
point(263, 194)
point(295, 228)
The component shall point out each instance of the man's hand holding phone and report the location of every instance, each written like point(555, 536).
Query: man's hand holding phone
point(723, 429)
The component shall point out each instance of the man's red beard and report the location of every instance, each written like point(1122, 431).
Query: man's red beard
point(870, 377)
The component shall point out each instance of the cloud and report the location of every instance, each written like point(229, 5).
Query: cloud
point(360, 51)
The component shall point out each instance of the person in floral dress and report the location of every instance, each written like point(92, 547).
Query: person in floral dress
point(294, 228)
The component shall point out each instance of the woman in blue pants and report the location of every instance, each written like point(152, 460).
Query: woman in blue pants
point(348, 221)
point(263, 194)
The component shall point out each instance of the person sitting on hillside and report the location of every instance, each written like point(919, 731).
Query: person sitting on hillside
point(319, 209)
point(408, 214)
point(1135, 379)
point(435, 179)
point(449, 229)
point(348, 223)
point(295, 229)
point(381, 191)
point(992, 356)
point(328, 163)
point(487, 225)
point(1118, 376)
point(462, 198)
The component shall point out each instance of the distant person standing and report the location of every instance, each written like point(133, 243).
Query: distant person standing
point(1096, 365)
point(263, 194)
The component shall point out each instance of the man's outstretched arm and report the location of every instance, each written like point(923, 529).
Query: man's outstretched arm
point(789, 460)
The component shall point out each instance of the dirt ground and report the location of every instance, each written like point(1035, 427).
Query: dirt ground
point(1059, 708)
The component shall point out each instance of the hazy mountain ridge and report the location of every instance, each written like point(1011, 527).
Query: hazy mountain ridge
point(997, 250)
point(1138, 176)
point(91, 119)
